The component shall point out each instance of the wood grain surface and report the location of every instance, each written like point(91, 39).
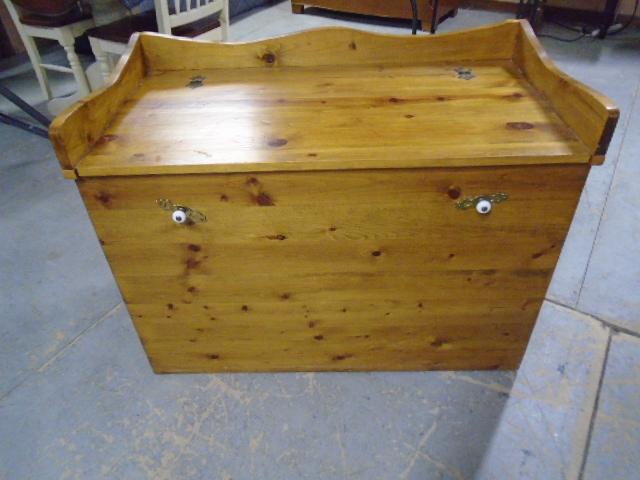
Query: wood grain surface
point(332, 118)
point(332, 46)
point(590, 114)
point(334, 98)
point(348, 270)
point(77, 129)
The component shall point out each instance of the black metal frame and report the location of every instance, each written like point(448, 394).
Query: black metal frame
point(26, 108)
point(415, 21)
point(608, 17)
point(414, 17)
point(434, 15)
point(527, 9)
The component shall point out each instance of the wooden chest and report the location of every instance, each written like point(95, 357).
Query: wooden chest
point(349, 201)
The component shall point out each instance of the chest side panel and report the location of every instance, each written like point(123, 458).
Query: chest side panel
point(348, 270)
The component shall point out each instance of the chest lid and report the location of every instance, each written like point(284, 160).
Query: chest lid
point(334, 99)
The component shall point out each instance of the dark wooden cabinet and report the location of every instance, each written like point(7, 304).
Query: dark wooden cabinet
point(387, 8)
point(10, 43)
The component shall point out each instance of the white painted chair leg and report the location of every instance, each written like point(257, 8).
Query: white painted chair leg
point(68, 43)
point(32, 50)
point(34, 56)
point(94, 75)
point(102, 58)
point(224, 21)
point(112, 60)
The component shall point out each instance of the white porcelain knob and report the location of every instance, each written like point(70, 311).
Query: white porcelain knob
point(179, 216)
point(483, 207)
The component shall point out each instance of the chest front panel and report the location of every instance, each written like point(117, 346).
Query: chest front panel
point(335, 270)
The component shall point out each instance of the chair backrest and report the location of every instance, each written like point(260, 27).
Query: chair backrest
point(47, 7)
point(173, 13)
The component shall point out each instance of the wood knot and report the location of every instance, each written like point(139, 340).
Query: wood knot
point(106, 139)
point(277, 142)
point(277, 237)
point(104, 198)
point(454, 192)
point(191, 264)
point(264, 200)
point(269, 58)
point(520, 125)
point(338, 358)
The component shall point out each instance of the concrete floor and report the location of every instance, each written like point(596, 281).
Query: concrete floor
point(78, 399)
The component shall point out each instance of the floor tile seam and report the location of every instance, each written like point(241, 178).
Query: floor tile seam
point(594, 411)
point(60, 352)
point(606, 323)
point(634, 103)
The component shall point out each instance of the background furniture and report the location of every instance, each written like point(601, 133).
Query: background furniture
point(608, 17)
point(64, 28)
point(602, 21)
point(185, 13)
point(387, 8)
point(200, 19)
point(237, 7)
point(531, 10)
point(10, 42)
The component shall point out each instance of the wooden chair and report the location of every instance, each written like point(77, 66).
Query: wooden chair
point(201, 19)
point(64, 28)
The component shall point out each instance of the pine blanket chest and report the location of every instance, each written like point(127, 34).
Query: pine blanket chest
point(335, 199)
